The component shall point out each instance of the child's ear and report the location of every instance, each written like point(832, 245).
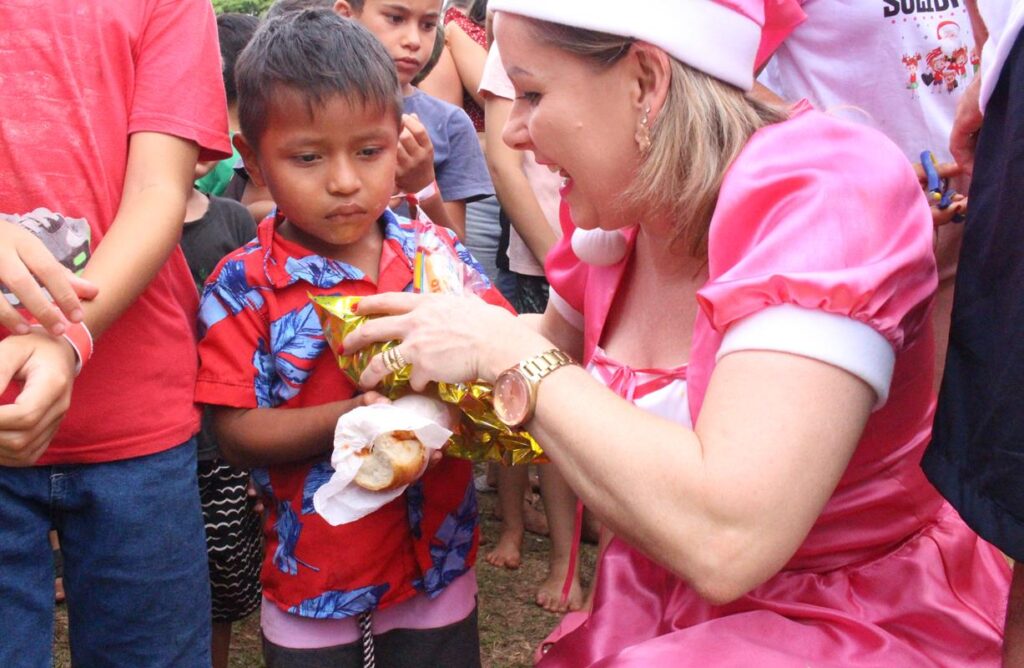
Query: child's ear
point(342, 8)
point(252, 165)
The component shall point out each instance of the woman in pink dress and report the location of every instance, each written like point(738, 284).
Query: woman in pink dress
point(749, 298)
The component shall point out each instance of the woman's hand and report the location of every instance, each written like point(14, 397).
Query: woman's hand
point(445, 338)
point(25, 265)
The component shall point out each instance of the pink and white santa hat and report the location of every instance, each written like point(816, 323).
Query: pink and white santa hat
point(727, 39)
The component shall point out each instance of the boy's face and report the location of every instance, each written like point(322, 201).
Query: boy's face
point(407, 28)
point(331, 173)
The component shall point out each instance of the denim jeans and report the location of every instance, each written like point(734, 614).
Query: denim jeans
point(135, 570)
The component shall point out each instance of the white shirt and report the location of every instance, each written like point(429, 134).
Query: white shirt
point(871, 62)
point(1004, 19)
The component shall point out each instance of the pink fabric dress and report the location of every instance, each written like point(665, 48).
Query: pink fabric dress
point(888, 575)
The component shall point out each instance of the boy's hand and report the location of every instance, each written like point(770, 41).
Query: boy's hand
point(365, 399)
point(371, 398)
point(945, 170)
point(963, 139)
point(415, 156)
point(45, 366)
point(25, 263)
point(368, 399)
point(954, 212)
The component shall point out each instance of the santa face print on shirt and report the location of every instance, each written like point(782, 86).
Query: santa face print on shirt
point(951, 62)
point(899, 66)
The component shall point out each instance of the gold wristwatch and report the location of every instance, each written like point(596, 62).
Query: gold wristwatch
point(515, 389)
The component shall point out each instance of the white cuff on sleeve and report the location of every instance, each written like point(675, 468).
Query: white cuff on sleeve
point(571, 315)
point(838, 340)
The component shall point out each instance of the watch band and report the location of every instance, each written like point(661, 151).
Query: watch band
point(536, 368)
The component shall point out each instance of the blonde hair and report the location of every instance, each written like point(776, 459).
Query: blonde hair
point(700, 130)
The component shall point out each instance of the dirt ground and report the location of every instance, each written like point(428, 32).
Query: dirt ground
point(511, 624)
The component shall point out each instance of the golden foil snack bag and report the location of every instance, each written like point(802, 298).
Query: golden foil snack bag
point(479, 434)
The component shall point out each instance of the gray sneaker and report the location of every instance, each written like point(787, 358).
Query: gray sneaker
point(67, 238)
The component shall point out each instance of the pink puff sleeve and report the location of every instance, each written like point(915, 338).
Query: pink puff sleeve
point(566, 274)
point(828, 217)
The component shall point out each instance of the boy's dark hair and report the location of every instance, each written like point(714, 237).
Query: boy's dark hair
point(477, 12)
point(316, 54)
point(234, 31)
point(282, 7)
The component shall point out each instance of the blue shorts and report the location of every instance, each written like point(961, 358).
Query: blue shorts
point(135, 574)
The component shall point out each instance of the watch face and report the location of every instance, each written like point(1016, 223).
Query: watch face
point(511, 398)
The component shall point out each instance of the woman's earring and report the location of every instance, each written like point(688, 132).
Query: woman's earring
point(643, 134)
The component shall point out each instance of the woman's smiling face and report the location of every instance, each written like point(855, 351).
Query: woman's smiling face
point(577, 118)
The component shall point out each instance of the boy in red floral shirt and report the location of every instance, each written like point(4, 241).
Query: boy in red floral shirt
point(320, 112)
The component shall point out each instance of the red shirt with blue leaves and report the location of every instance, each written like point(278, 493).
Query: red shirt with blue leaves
point(262, 346)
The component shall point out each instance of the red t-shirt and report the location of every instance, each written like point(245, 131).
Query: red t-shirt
point(78, 79)
point(263, 347)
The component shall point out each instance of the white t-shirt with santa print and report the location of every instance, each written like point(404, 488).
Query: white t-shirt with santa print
point(898, 65)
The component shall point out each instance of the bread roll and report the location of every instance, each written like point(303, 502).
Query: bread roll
point(395, 458)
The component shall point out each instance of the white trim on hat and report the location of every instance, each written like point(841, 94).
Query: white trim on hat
point(704, 34)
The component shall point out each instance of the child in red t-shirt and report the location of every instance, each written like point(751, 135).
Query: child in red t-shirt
point(320, 113)
point(107, 105)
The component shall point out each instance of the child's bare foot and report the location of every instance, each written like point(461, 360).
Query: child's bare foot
point(507, 553)
point(549, 594)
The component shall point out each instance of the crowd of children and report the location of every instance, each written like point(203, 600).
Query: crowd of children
point(343, 121)
point(319, 145)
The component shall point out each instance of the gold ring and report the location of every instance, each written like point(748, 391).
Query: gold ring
point(393, 360)
point(399, 358)
point(388, 358)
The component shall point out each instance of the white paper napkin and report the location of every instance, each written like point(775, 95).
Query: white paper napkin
point(340, 500)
